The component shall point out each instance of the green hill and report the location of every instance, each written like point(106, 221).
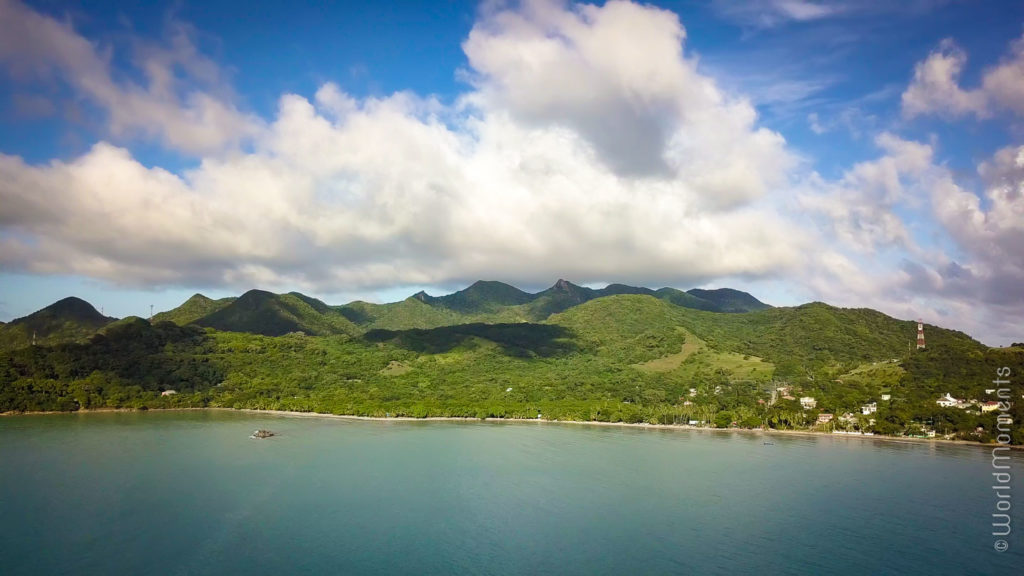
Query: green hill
point(728, 300)
point(192, 310)
point(409, 313)
point(685, 299)
point(68, 320)
point(496, 302)
point(484, 296)
point(261, 312)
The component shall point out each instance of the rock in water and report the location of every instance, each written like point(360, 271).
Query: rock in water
point(262, 434)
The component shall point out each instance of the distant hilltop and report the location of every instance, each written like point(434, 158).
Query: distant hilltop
point(486, 301)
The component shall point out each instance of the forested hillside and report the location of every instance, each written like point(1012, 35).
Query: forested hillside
point(628, 355)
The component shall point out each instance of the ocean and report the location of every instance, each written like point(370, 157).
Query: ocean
point(191, 493)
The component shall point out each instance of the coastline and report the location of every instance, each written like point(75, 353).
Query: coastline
point(640, 425)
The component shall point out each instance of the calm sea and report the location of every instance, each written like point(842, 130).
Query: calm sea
point(190, 493)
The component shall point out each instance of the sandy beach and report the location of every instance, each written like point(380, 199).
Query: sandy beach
point(640, 425)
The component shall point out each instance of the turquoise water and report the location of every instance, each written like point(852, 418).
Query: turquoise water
point(190, 493)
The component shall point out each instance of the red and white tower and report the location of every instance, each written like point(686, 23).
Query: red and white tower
point(920, 335)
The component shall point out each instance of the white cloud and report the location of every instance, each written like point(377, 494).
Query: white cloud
point(935, 87)
point(617, 76)
point(859, 208)
point(524, 177)
point(36, 47)
point(768, 13)
point(969, 281)
point(815, 124)
point(771, 13)
point(1005, 82)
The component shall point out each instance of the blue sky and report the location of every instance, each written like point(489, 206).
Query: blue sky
point(802, 150)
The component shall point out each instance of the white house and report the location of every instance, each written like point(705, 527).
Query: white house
point(886, 397)
point(869, 408)
point(824, 418)
point(989, 406)
point(168, 393)
point(808, 402)
point(948, 401)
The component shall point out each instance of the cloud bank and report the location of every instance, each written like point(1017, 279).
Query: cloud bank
point(589, 146)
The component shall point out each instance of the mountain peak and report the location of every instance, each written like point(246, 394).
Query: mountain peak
point(68, 320)
point(563, 285)
point(69, 308)
point(422, 296)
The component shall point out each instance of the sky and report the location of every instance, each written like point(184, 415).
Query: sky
point(864, 154)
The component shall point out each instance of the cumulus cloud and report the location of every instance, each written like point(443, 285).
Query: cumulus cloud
point(992, 234)
point(969, 280)
point(617, 76)
point(935, 87)
point(35, 47)
point(525, 176)
point(859, 207)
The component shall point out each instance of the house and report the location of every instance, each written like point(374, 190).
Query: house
point(687, 403)
point(948, 401)
point(168, 392)
point(788, 397)
point(990, 390)
point(808, 402)
point(848, 418)
point(989, 406)
point(886, 397)
point(693, 391)
point(869, 408)
point(823, 418)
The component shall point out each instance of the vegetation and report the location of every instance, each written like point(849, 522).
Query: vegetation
point(259, 312)
point(68, 320)
point(483, 352)
point(192, 310)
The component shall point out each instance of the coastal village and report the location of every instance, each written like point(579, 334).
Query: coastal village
point(862, 422)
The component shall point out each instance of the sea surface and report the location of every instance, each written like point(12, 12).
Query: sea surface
point(191, 493)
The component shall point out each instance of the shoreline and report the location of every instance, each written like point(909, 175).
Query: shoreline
point(640, 425)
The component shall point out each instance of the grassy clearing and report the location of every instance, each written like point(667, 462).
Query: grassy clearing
point(396, 368)
point(670, 362)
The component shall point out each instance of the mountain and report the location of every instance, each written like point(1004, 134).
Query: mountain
point(561, 296)
point(68, 320)
point(413, 312)
point(729, 300)
point(685, 299)
point(261, 312)
point(192, 310)
point(484, 296)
